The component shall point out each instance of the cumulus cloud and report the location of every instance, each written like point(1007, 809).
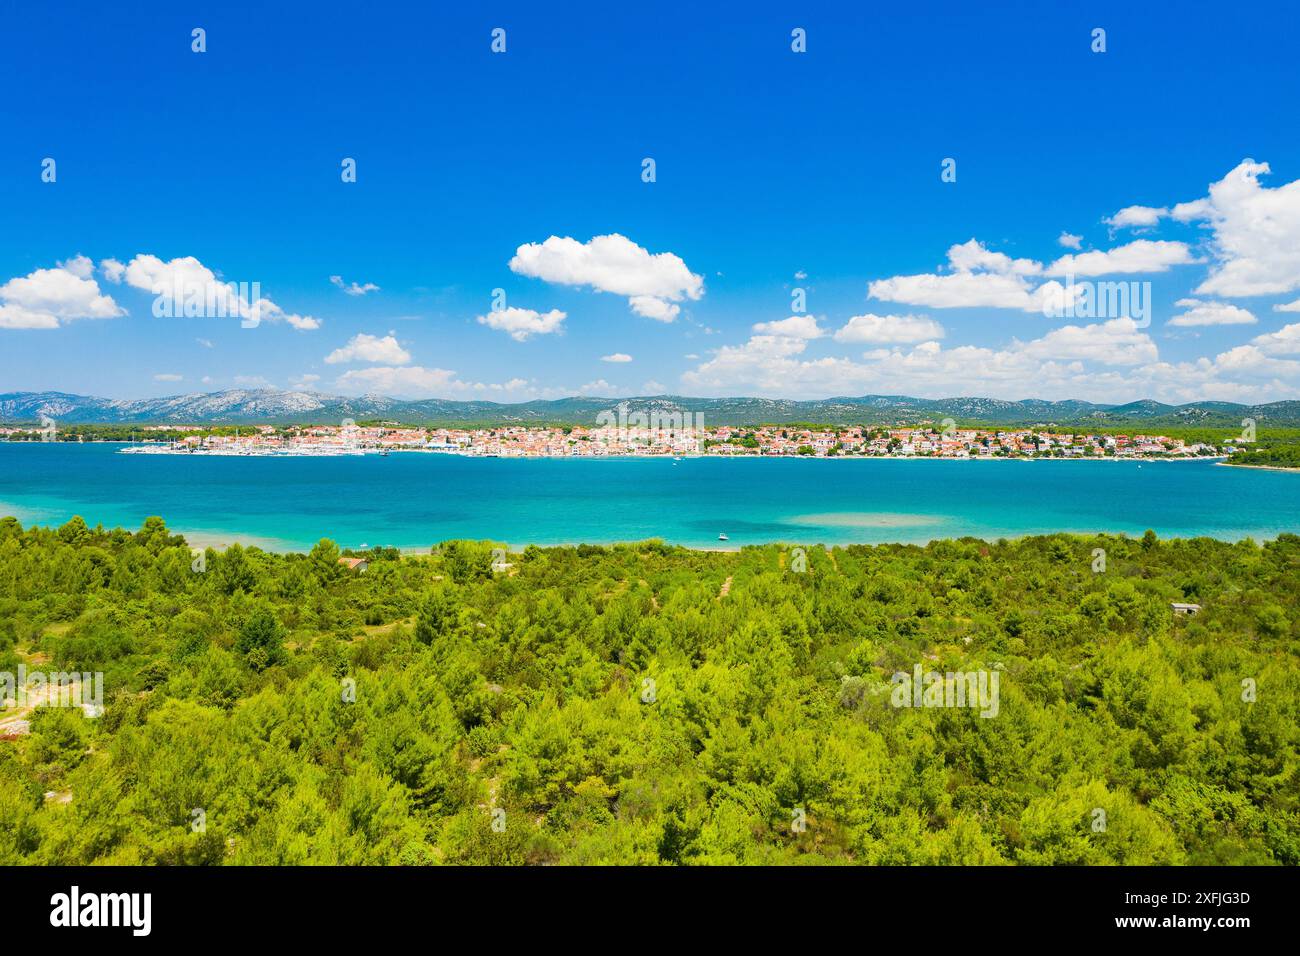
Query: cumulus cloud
point(80, 266)
point(1256, 233)
point(1139, 256)
point(652, 282)
point(1112, 362)
point(1288, 307)
point(113, 270)
point(415, 381)
point(370, 348)
point(956, 290)
point(661, 310)
point(48, 298)
point(889, 329)
point(401, 381)
point(1211, 313)
point(617, 357)
point(974, 256)
point(1136, 217)
point(978, 277)
point(1117, 342)
point(1070, 241)
point(523, 323)
point(802, 326)
point(1285, 341)
point(354, 288)
point(167, 377)
point(184, 281)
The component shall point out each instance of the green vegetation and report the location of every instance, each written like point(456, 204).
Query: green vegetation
point(648, 704)
point(1271, 451)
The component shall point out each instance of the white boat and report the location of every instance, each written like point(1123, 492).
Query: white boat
point(723, 537)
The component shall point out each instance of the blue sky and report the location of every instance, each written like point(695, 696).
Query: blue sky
point(775, 171)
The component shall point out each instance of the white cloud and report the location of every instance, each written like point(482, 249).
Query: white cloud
point(890, 329)
point(48, 298)
point(414, 381)
point(982, 278)
point(974, 256)
point(1111, 362)
point(354, 289)
point(617, 357)
point(522, 323)
point(660, 310)
point(1070, 241)
point(1210, 313)
point(370, 348)
point(304, 382)
point(1288, 307)
point(113, 270)
point(598, 387)
point(1256, 233)
point(185, 280)
point(956, 290)
point(1285, 341)
point(1136, 217)
point(979, 278)
point(1141, 255)
point(1117, 342)
point(80, 266)
point(206, 343)
point(167, 377)
point(802, 326)
point(653, 388)
point(652, 282)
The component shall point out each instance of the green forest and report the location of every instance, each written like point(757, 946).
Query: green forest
point(647, 704)
point(1276, 455)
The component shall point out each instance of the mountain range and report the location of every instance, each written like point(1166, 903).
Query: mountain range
point(273, 406)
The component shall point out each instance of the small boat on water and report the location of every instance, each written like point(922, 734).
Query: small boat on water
point(676, 458)
point(723, 537)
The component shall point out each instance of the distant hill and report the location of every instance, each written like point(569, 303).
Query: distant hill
point(272, 406)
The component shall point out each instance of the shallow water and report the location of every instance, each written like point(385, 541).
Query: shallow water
point(412, 500)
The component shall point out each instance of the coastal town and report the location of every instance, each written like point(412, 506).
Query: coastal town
point(684, 440)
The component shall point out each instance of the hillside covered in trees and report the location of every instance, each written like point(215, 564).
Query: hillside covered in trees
point(646, 704)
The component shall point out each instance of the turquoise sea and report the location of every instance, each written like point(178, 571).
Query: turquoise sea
point(414, 500)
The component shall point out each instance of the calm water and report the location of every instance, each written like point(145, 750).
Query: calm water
point(414, 500)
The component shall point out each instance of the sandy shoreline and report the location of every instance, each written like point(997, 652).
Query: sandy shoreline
point(1293, 471)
